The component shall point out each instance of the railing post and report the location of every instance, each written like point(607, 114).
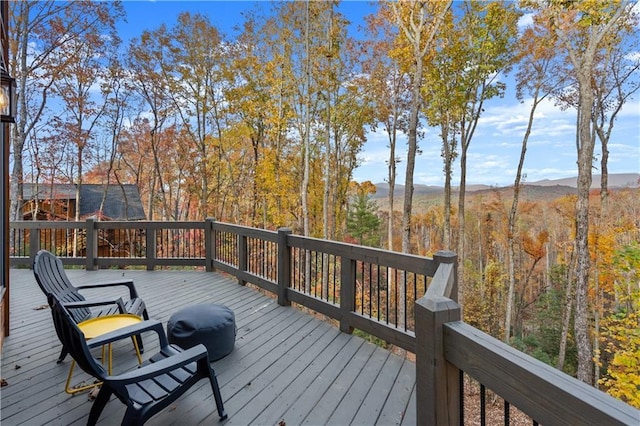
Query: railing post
point(242, 256)
point(91, 242)
point(151, 242)
point(445, 256)
point(209, 244)
point(347, 293)
point(284, 266)
point(437, 381)
point(34, 244)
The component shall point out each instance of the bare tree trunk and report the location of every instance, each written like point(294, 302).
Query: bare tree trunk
point(582, 59)
point(420, 33)
point(306, 148)
point(596, 336)
point(115, 140)
point(585, 159)
point(411, 161)
point(306, 142)
point(459, 233)
point(393, 133)
point(566, 318)
point(448, 151)
point(150, 198)
point(24, 121)
point(392, 185)
point(512, 217)
point(582, 272)
point(327, 165)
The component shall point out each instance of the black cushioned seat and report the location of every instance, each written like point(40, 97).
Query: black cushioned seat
point(211, 324)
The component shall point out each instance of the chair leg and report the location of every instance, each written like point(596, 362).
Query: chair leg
point(98, 405)
point(145, 316)
point(63, 355)
point(131, 418)
point(138, 342)
point(72, 391)
point(136, 346)
point(216, 389)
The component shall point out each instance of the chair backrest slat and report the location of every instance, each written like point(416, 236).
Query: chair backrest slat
point(52, 279)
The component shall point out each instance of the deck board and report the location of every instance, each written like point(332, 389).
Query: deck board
point(379, 392)
point(358, 390)
point(286, 366)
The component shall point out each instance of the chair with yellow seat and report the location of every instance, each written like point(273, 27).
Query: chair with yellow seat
point(147, 390)
point(96, 327)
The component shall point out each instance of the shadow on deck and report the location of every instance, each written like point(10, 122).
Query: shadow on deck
point(287, 367)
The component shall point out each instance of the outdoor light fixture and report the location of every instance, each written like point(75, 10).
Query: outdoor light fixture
point(7, 98)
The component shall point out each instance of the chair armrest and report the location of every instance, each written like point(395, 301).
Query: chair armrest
point(92, 303)
point(131, 330)
point(158, 368)
point(126, 283)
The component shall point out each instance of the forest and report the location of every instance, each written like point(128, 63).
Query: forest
point(264, 129)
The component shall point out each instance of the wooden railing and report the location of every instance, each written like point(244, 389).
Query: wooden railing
point(447, 349)
point(369, 289)
point(95, 244)
point(406, 300)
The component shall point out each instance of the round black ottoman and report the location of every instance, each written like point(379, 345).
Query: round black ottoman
point(210, 324)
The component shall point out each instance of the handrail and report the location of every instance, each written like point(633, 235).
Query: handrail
point(78, 243)
point(299, 257)
point(364, 288)
point(448, 348)
point(544, 393)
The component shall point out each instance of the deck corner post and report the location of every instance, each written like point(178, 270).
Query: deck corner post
point(284, 266)
point(446, 256)
point(437, 381)
point(91, 242)
point(209, 245)
point(347, 293)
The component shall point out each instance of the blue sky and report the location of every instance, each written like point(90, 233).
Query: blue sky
point(495, 149)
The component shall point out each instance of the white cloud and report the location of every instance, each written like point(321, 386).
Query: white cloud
point(525, 21)
point(495, 149)
point(631, 108)
point(429, 179)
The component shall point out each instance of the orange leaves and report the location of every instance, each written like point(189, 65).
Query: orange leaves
point(534, 246)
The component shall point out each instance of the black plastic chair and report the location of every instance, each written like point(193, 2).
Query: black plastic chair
point(52, 279)
point(151, 387)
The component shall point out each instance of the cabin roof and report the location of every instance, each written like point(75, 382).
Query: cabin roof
point(122, 201)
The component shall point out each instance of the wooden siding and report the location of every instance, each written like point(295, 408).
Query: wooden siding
point(287, 365)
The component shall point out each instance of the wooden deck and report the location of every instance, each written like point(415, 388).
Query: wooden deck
point(287, 367)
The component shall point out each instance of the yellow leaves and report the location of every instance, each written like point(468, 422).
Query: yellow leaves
point(485, 299)
point(365, 188)
point(418, 23)
point(622, 339)
point(621, 332)
point(595, 12)
point(276, 187)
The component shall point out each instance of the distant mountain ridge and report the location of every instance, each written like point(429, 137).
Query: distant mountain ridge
point(616, 181)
